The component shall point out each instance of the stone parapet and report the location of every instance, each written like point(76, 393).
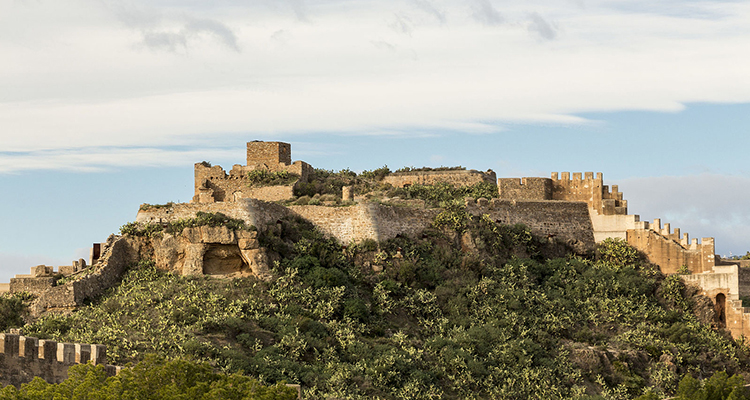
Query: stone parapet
point(453, 177)
point(22, 358)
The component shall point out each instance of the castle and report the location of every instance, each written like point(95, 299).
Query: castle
point(578, 209)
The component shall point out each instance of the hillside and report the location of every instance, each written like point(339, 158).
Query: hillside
point(468, 309)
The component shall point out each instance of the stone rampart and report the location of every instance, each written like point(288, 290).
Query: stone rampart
point(118, 255)
point(367, 220)
point(453, 177)
point(254, 212)
point(669, 254)
point(525, 188)
point(22, 358)
point(564, 220)
point(591, 190)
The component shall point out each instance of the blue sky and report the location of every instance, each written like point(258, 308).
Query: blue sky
point(106, 104)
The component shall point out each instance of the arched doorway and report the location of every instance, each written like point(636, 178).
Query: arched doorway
point(720, 315)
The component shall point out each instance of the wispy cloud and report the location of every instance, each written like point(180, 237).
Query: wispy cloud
point(541, 27)
point(484, 12)
point(428, 7)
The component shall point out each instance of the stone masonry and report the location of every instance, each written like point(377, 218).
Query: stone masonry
point(22, 358)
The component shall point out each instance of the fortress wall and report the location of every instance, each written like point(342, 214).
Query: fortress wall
point(587, 188)
point(614, 226)
point(670, 255)
point(455, 178)
point(391, 221)
point(525, 188)
point(255, 212)
point(744, 280)
point(22, 358)
point(117, 257)
point(564, 220)
point(346, 224)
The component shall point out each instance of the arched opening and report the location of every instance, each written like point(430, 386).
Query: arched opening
point(720, 315)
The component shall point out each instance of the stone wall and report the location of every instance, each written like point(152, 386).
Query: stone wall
point(22, 358)
point(670, 255)
point(722, 285)
point(270, 154)
point(213, 184)
point(563, 220)
point(118, 255)
point(254, 212)
point(455, 177)
point(591, 190)
point(374, 221)
point(525, 188)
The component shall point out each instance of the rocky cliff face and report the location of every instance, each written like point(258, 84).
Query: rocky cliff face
point(207, 250)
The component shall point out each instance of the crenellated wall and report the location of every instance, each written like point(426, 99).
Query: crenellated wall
point(670, 252)
point(591, 190)
point(453, 177)
point(22, 358)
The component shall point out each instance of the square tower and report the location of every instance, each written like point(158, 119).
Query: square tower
point(269, 153)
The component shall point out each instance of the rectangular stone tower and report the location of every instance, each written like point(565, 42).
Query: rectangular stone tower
point(269, 153)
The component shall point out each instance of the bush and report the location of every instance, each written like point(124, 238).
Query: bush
point(262, 177)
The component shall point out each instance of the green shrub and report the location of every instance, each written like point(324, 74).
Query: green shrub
point(263, 177)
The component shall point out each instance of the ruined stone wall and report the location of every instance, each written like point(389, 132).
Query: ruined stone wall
point(346, 224)
point(118, 255)
point(525, 188)
point(374, 221)
point(391, 221)
point(744, 281)
point(455, 178)
point(22, 358)
point(254, 212)
point(563, 220)
point(670, 254)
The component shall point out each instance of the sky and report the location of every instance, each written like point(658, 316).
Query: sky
point(107, 104)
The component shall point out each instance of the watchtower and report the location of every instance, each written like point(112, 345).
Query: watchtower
point(269, 153)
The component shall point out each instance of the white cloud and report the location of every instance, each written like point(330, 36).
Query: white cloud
point(78, 75)
point(486, 13)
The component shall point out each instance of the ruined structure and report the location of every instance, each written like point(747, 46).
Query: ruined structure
point(454, 177)
point(22, 358)
point(213, 184)
point(578, 209)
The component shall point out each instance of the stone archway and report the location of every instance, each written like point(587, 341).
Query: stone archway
point(720, 314)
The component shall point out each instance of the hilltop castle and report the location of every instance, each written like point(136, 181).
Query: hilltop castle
point(577, 209)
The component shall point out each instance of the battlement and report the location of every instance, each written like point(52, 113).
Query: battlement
point(590, 189)
point(23, 357)
point(31, 348)
point(214, 184)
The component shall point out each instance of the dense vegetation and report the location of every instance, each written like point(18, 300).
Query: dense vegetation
point(469, 310)
point(176, 227)
point(152, 378)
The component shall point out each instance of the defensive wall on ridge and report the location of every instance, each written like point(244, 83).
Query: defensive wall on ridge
point(118, 255)
point(453, 177)
point(563, 220)
point(22, 358)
